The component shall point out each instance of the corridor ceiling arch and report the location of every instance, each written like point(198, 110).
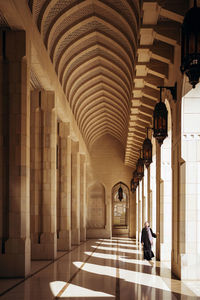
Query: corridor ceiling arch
point(92, 45)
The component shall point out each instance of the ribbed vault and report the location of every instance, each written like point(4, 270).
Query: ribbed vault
point(92, 45)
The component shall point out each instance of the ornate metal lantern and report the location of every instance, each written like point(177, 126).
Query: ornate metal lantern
point(140, 168)
point(160, 120)
point(120, 193)
point(133, 188)
point(135, 179)
point(190, 45)
point(147, 151)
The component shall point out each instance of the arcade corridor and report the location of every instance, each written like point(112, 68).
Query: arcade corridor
point(99, 133)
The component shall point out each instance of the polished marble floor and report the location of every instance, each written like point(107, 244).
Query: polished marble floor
point(101, 269)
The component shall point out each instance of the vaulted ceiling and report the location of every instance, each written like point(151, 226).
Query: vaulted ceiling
point(92, 45)
point(110, 56)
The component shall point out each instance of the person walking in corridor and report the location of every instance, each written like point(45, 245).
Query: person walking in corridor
point(147, 241)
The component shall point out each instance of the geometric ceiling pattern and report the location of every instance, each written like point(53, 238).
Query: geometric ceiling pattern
point(92, 45)
point(110, 57)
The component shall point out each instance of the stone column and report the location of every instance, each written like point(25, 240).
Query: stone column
point(166, 201)
point(149, 195)
point(143, 200)
point(45, 246)
point(189, 211)
point(175, 210)
point(139, 212)
point(153, 187)
point(14, 151)
point(158, 165)
point(75, 200)
point(186, 209)
point(136, 214)
point(63, 187)
point(133, 216)
point(36, 167)
point(145, 196)
point(82, 198)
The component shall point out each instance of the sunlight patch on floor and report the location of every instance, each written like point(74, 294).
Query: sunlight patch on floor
point(102, 255)
point(96, 269)
point(73, 290)
point(126, 241)
point(118, 249)
point(121, 258)
point(143, 279)
point(117, 244)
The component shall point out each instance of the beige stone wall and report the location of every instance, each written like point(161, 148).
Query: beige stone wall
point(107, 168)
point(96, 207)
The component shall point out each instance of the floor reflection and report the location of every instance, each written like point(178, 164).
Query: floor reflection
point(104, 269)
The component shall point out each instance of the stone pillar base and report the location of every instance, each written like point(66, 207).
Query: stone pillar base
point(165, 252)
point(64, 240)
point(175, 268)
point(76, 236)
point(83, 234)
point(133, 235)
point(98, 233)
point(188, 267)
point(46, 249)
point(16, 262)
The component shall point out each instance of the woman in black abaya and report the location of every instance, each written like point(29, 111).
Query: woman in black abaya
point(147, 241)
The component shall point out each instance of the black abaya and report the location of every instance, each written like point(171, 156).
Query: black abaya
point(148, 253)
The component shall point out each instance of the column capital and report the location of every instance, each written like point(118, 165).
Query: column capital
point(47, 100)
point(64, 129)
point(75, 146)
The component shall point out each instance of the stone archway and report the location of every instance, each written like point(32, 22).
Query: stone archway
point(120, 219)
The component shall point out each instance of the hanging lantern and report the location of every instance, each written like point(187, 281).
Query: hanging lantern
point(135, 179)
point(147, 151)
point(160, 120)
point(140, 168)
point(133, 189)
point(120, 193)
point(190, 45)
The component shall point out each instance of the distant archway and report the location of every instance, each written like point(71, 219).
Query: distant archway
point(120, 210)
